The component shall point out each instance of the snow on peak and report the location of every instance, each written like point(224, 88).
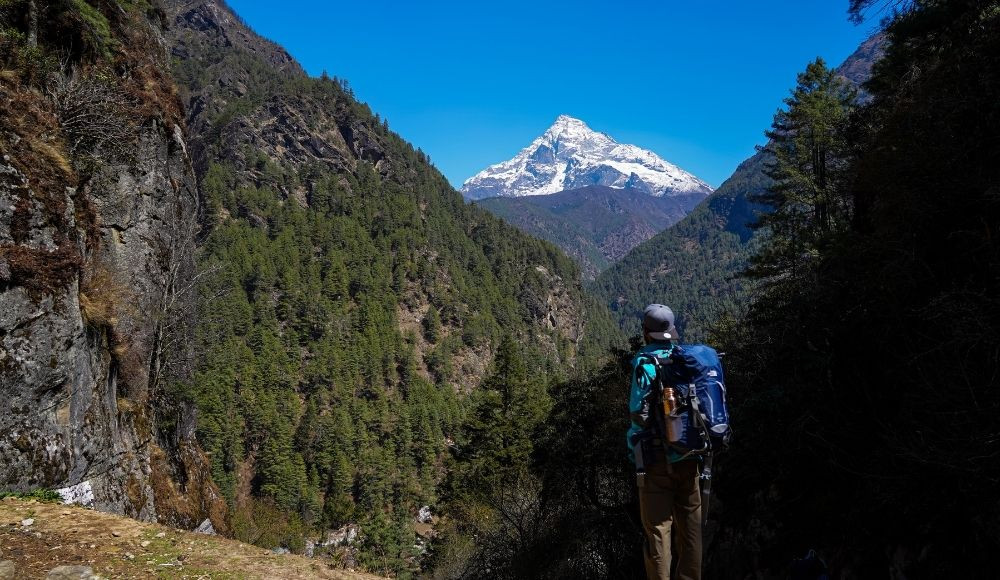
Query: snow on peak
point(569, 155)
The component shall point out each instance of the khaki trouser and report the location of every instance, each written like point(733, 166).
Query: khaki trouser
point(668, 498)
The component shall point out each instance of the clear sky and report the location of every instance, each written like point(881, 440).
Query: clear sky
point(472, 82)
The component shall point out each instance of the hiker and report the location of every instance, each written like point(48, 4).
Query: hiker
point(669, 494)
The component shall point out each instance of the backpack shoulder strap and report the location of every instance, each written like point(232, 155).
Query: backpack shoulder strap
point(656, 361)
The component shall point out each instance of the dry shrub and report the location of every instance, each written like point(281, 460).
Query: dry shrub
point(262, 523)
point(40, 271)
point(53, 154)
point(104, 297)
point(98, 118)
point(183, 489)
point(97, 313)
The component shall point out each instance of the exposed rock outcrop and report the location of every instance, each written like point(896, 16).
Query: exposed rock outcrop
point(96, 247)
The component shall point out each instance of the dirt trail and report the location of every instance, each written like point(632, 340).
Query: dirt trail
point(118, 547)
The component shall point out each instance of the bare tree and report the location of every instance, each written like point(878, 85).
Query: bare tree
point(32, 24)
point(861, 10)
point(97, 117)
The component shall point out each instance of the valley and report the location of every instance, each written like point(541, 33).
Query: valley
point(595, 225)
point(249, 329)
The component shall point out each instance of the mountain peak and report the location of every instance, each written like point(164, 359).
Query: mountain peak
point(570, 155)
point(564, 121)
point(567, 128)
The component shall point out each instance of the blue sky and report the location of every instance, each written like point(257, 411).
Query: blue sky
point(473, 82)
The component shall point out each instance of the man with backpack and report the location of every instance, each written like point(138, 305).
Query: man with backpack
point(678, 411)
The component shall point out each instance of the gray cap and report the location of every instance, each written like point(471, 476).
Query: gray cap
point(658, 322)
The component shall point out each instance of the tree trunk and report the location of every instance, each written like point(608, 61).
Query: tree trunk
point(32, 24)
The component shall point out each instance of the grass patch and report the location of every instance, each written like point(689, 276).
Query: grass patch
point(104, 296)
point(39, 271)
point(96, 26)
point(43, 495)
point(54, 154)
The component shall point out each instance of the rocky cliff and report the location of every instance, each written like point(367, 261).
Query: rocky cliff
point(98, 207)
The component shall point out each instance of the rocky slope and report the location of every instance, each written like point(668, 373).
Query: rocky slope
point(570, 155)
point(858, 67)
point(97, 219)
point(691, 265)
point(595, 225)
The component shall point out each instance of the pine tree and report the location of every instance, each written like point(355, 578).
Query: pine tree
point(805, 202)
point(510, 405)
point(432, 325)
point(338, 507)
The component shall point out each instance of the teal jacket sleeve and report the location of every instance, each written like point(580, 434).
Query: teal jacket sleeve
point(639, 402)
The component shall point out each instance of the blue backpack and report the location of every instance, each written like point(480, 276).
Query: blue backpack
point(701, 416)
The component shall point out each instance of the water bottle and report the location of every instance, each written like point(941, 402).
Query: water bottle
point(675, 424)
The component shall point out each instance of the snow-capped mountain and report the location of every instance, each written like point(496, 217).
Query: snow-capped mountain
point(571, 155)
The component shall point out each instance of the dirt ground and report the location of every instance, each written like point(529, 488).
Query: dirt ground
point(119, 547)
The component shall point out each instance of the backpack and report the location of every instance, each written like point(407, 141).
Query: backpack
point(812, 567)
point(700, 417)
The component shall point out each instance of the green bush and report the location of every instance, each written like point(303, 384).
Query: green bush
point(43, 495)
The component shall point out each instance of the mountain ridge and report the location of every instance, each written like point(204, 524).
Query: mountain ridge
point(570, 155)
point(596, 225)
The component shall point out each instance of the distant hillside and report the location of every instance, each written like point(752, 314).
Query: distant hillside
point(691, 265)
point(351, 297)
point(595, 225)
point(858, 67)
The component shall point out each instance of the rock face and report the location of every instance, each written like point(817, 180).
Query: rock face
point(65, 348)
point(857, 69)
point(95, 247)
point(228, 73)
point(570, 155)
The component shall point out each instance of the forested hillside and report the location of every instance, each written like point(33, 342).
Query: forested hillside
point(870, 354)
point(693, 266)
point(350, 298)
